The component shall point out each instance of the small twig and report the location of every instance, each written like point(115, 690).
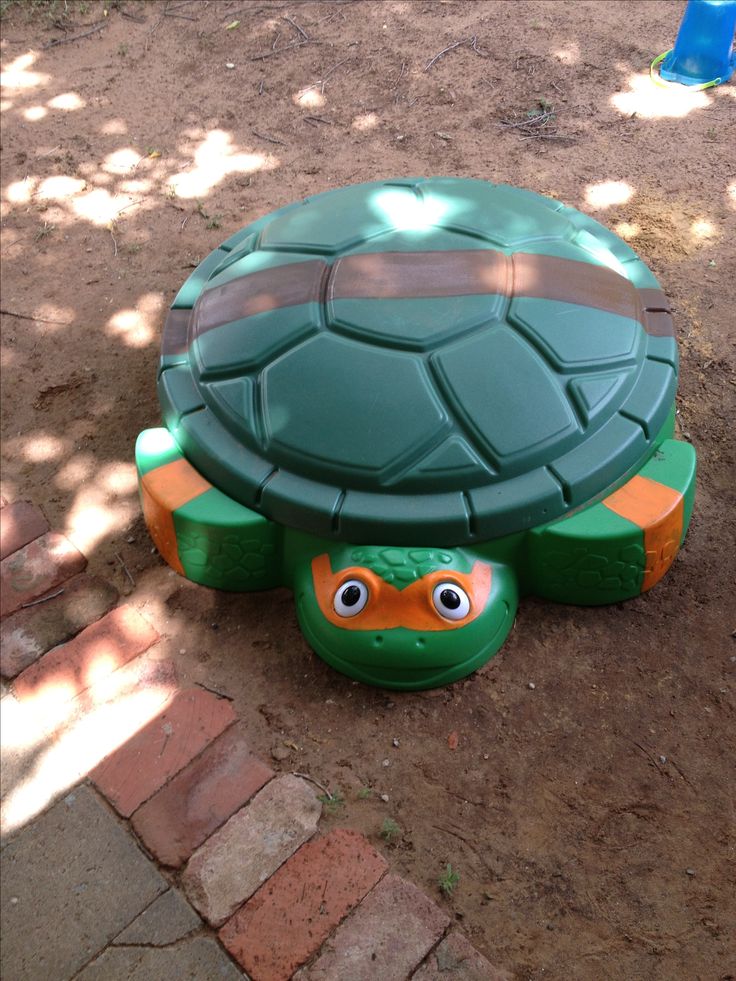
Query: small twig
point(286, 47)
point(294, 24)
point(401, 75)
point(126, 570)
point(260, 88)
point(43, 599)
point(318, 119)
point(170, 13)
point(268, 139)
point(333, 69)
point(38, 320)
point(135, 17)
point(472, 41)
point(184, 223)
point(75, 37)
point(321, 786)
point(114, 243)
point(48, 153)
point(220, 694)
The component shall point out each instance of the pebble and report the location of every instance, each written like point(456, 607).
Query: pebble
point(485, 756)
point(531, 685)
point(229, 64)
point(386, 763)
point(395, 742)
point(690, 872)
point(384, 798)
point(662, 759)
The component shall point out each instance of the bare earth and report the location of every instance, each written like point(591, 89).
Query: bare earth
point(588, 805)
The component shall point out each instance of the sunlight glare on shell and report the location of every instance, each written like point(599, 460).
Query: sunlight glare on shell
point(407, 212)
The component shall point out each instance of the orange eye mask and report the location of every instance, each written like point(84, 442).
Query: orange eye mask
point(389, 607)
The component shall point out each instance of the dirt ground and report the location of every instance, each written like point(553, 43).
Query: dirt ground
point(588, 805)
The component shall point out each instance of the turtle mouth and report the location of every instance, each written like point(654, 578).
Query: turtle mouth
point(376, 672)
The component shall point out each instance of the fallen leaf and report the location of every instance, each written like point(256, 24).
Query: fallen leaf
point(233, 25)
point(452, 740)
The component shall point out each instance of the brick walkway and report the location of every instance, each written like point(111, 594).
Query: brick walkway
point(144, 840)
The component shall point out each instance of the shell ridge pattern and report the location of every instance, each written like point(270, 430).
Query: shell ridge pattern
point(466, 381)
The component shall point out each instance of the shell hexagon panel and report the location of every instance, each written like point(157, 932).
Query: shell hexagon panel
point(414, 402)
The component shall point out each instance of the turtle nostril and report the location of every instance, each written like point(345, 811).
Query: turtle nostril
point(378, 640)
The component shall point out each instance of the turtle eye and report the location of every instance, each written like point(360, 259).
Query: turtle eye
point(450, 601)
point(350, 598)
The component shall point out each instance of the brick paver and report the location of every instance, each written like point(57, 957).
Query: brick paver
point(20, 524)
point(455, 959)
point(27, 634)
point(238, 858)
point(36, 569)
point(385, 937)
point(290, 916)
point(91, 656)
point(135, 771)
point(201, 798)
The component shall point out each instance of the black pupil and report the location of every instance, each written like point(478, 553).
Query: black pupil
point(350, 595)
point(450, 599)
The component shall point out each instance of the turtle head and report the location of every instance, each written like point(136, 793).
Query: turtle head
point(404, 618)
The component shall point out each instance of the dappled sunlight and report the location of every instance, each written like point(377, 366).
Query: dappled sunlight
point(121, 161)
point(214, 159)
point(703, 229)
point(606, 194)
point(20, 192)
point(98, 206)
point(137, 327)
point(569, 53)
point(365, 122)
point(17, 76)
point(628, 230)
point(103, 506)
point(75, 471)
point(67, 101)
point(42, 447)
point(309, 98)
point(731, 194)
point(34, 113)
point(60, 188)
point(68, 757)
point(114, 127)
point(648, 100)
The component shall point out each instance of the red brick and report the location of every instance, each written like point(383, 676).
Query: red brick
point(27, 634)
point(391, 932)
point(292, 914)
point(455, 959)
point(201, 798)
point(20, 524)
point(36, 569)
point(92, 655)
point(133, 773)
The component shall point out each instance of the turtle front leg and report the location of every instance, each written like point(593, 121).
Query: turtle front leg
point(202, 533)
point(622, 545)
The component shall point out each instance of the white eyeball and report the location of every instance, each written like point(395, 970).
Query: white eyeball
point(350, 598)
point(450, 601)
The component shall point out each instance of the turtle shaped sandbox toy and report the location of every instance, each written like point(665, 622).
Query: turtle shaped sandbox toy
point(413, 402)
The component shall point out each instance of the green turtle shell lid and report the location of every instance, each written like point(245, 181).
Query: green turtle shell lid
point(414, 402)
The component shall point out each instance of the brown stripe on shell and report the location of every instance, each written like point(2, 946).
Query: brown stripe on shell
point(174, 336)
point(413, 275)
point(568, 281)
point(416, 275)
point(269, 289)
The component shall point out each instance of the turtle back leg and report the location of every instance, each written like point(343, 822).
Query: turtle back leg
point(202, 533)
point(622, 545)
